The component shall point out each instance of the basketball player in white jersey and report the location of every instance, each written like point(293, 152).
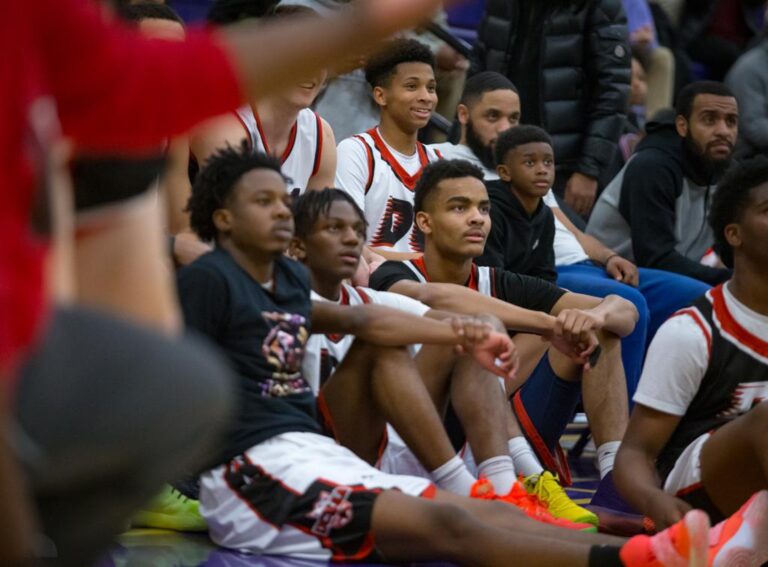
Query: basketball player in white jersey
point(282, 126)
point(379, 168)
point(329, 239)
point(453, 210)
point(697, 436)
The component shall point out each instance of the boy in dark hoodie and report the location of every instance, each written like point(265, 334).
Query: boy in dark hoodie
point(523, 227)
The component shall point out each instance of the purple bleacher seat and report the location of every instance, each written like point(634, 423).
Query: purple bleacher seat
point(466, 15)
point(191, 11)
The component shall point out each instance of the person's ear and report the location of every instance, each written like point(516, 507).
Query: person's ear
point(424, 222)
point(681, 125)
point(297, 250)
point(380, 96)
point(222, 220)
point(462, 114)
point(504, 172)
point(732, 233)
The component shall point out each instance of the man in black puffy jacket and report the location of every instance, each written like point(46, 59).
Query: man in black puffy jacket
point(570, 60)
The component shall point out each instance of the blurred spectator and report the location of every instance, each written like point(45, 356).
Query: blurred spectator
point(657, 60)
point(225, 12)
point(655, 211)
point(748, 79)
point(716, 32)
point(570, 60)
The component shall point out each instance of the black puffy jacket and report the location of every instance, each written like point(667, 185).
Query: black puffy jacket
point(570, 59)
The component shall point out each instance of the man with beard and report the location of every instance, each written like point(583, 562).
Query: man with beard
point(655, 211)
point(489, 105)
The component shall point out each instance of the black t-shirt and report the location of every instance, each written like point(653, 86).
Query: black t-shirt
point(264, 333)
point(524, 291)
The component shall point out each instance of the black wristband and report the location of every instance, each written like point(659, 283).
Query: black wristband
point(609, 258)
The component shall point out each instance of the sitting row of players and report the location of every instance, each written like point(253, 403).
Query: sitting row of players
point(296, 477)
point(382, 177)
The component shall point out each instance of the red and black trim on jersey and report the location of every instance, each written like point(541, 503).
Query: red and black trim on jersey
point(405, 178)
point(344, 300)
point(318, 146)
point(371, 163)
point(420, 268)
point(735, 381)
point(291, 138)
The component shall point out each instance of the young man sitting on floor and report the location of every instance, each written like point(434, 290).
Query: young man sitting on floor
point(697, 435)
point(280, 486)
point(330, 232)
point(453, 211)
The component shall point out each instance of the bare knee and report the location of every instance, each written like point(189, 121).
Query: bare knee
point(452, 527)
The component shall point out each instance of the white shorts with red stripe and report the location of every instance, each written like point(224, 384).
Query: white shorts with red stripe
point(685, 476)
point(301, 495)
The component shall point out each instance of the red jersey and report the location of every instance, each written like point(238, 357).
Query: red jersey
point(110, 89)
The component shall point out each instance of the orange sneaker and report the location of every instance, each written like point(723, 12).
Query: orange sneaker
point(681, 545)
point(529, 504)
point(742, 539)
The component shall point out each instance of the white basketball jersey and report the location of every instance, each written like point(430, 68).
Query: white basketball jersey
point(301, 158)
point(323, 353)
point(389, 195)
point(482, 278)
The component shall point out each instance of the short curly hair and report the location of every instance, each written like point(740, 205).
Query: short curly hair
point(216, 181)
point(732, 198)
point(312, 205)
point(434, 173)
point(381, 67)
point(510, 139)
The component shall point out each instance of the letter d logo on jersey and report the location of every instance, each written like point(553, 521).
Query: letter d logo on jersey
point(395, 223)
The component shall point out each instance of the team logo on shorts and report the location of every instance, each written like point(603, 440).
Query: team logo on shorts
point(332, 510)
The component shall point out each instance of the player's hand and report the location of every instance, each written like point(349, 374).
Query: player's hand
point(665, 510)
point(580, 193)
point(622, 270)
point(187, 248)
point(493, 350)
point(577, 328)
point(448, 59)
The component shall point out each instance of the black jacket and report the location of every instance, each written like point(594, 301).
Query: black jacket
point(519, 242)
point(571, 63)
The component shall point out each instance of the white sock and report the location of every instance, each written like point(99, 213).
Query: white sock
point(523, 456)
point(500, 471)
point(453, 476)
point(606, 454)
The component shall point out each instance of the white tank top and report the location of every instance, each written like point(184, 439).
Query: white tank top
point(389, 195)
point(301, 158)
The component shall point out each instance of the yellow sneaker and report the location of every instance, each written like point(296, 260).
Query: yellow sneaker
point(546, 487)
point(170, 510)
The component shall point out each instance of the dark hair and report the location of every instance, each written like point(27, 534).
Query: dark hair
point(732, 198)
point(214, 184)
point(310, 206)
point(508, 140)
point(485, 82)
point(148, 11)
point(224, 12)
point(382, 65)
point(688, 94)
point(434, 173)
